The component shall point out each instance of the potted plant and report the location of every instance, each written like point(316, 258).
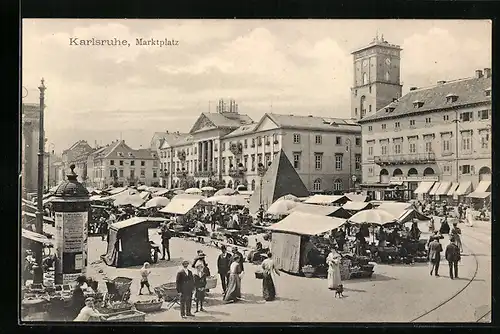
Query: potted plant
point(308, 271)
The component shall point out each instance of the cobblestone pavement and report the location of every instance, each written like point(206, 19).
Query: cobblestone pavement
point(395, 293)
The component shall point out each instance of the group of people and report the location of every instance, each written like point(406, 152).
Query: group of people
point(452, 255)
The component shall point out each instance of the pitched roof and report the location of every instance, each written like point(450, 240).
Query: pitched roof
point(469, 91)
point(175, 139)
point(242, 130)
point(314, 123)
point(111, 152)
point(306, 224)
point(280, 179)
point(220, 120)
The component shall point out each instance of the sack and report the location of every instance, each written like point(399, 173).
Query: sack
point(259, 274)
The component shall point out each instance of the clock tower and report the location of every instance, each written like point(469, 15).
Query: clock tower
point(376, 77)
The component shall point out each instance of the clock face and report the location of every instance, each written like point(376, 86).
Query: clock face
point(388, 61)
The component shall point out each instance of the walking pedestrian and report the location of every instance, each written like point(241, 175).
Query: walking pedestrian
point(333, 263)
point(145, 272)
point(452, 255)
point(185, 285)
point(455, 235)
point(237, 254)
point(223, 264)
point(269, 273)
point(435, 250)
point(233, 292)
point(165, 241)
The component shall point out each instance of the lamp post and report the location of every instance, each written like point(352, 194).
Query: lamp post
point(261, 171)
point(38, 272)
point(348, 149)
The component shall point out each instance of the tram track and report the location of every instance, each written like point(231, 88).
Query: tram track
point(448, 300)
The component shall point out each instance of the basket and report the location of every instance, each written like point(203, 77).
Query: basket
point(148, 306)
point(211, 282)
point(259, 275)
point(126, 316)
point(166, 291)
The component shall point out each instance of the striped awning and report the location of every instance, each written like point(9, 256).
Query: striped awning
point(424, 187)
point(453, 188)
point(443, 188)
point(481, 195)
point(464, 188)
point(435, 188)
point(482, 187)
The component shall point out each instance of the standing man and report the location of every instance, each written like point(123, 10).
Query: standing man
point(165, 241)
point(223, 264)
point(435, 250)
point(185, 286)
point(111, 221)
point(452, 254)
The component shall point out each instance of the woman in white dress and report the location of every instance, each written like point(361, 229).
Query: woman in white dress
point(269, 272)
point(468, 217)
point(333, 262)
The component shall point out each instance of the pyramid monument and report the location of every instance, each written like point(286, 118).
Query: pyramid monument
point(279, 180)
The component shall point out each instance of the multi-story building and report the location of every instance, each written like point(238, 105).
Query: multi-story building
point(118, 164)
point(438, 134)
point(227, 147)
point(29, 158)
point(77, 155)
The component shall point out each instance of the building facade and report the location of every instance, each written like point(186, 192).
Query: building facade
point(227, 148)
point(77, 155)
point(29, 141)
point(118, 164)
point(440, 133)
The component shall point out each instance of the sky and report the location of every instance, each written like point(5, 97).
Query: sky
point(300, 67)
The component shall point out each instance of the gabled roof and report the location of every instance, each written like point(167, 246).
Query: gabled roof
point(111, 152)
point(312, 123)
point(208, 121)
point(469, 91)
point(78, 143)
point(174, 139)
point(242, 130)
point(280, 179)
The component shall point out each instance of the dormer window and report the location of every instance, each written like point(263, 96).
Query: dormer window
point(487, 91)
point(130, 154)
point(120, 154)
point(389, 109)
point(418, 104)
point(450, 98)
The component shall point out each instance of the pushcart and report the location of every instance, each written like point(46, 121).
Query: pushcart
point(118, 289)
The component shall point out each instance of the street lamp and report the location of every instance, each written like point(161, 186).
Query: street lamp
point(348, 149)
point(261, 171)
point(38, 271)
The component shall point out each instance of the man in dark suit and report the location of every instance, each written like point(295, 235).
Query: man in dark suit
point(452, 255)
point(435, 250)
point(185, 287)
point(236, 253)
point(165, 241)
point(223, 263)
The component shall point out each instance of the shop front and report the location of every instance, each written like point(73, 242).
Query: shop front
point(413, 186)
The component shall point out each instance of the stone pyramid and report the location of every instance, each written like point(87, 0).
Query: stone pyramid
point(279, 180)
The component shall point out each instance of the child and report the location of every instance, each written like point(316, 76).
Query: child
point(200, 283)
point(144, 277)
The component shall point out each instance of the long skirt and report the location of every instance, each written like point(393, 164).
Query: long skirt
point(268, 288)
point(233, 291)
point(334, 278)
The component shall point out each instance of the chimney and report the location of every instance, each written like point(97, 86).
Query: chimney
point(487, 72)
point(479, 74)
point(440, 82)
point(412, 88)
point(167, 131)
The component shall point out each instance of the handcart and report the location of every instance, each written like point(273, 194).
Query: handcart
point(118, 290)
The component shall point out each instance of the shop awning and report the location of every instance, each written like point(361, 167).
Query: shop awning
point(443, 188)
point(464, 188)
point(424, 187)
point(306, 224)
point(481, 195)
point(482, 187)
point(435, 188)
point(33, 236)
point(180, 206)
point(453, 188)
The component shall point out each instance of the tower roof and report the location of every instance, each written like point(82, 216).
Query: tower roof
point(280, 179)
point(378, 41)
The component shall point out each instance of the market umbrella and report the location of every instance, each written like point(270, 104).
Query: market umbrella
point(145, 195)
point(281, 207)
point(373, 216)
point(143, 187)
point(134, 200)
point(289, 197)
point(157, 202)
point(235, 200)
point(178, 191)
point(193, 191)
point(225, 192)
point(95, 197)
point(208, 189)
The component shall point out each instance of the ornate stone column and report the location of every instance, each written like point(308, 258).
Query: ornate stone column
point(210, 154)
point(203, 155)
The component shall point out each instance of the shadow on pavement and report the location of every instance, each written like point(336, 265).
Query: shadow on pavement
point(374, 278)
point(354, 290)
point(251, 299)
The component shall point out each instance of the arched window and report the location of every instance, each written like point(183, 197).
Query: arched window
point(317, 185)
point(338, 185)
point(365, 78)
point(428, 171)
point(397, 172)
point(412, 172)
point(384, 176)
point(362, 105)
point(485, 174)
point(253, 185)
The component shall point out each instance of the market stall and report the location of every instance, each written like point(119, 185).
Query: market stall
point(354, 207)
point(338, 200)
point(321, 210)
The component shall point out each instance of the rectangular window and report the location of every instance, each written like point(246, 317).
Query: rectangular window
point(318, 161)
point(370, 171)
point(245, 161)
point(259, 158)
point(132, 173)
point(428, 147)
point(370, 128)
point(296, 138)
point(268, 159)
point(230, 159)
point(121, 173)
point(132, 163)
point(485, 139)
point(370, 151)
point(412, 122)
point(155, 173)
point(383, 150)
point(370, 106)
point(465, 169)
point(397, 125)
point(355, 111)
point(121, 162)
point(318, 140)
point(466, 116)
point(397, 148)
point(111, 173)
point(143, 163)
point(112, 162)
point(259, 141)
point(446, 118)
point(338, 140)
point(143, 173)
point(483, 114)
point(357, 160)
point(428, 120)
point(413, 148)
point(384, 126)
point(358, 141)
point(253, 142)
point(245, 143)
point(446, 145)
point(296, 160)
point(447, 169)
point(338, 162)
point(253, 161)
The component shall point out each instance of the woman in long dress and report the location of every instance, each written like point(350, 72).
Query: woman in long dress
point(233, 291)
point(469, 220)
point(269, 272)
point(333, 262)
